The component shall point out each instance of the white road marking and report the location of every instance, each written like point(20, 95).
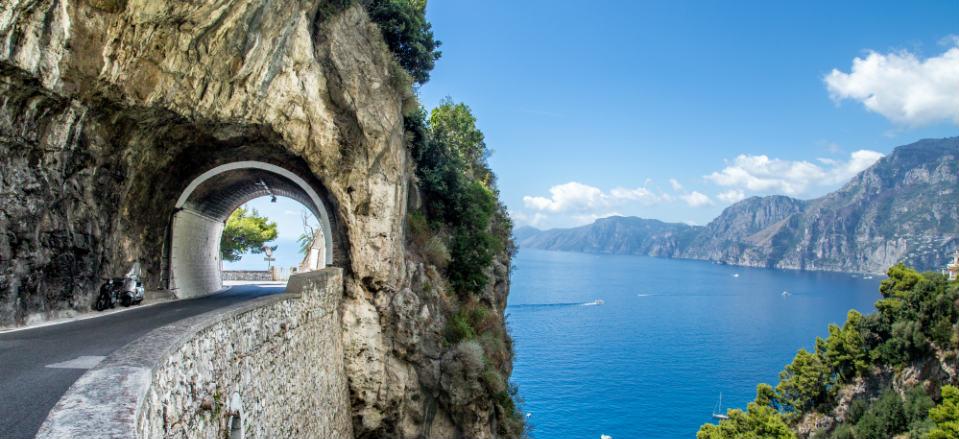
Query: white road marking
point(81, 362)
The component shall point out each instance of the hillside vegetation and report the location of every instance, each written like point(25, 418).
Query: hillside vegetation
point(878, 376)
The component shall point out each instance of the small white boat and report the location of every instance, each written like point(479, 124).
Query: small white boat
point(736, 275)
point(718, 410)
point(786, 294)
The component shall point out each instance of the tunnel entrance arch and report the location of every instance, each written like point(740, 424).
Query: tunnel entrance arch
point(193, 260)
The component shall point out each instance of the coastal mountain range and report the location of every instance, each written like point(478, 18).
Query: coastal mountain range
point(904, 208)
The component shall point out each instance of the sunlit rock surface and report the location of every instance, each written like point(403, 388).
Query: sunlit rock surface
point(109, 107)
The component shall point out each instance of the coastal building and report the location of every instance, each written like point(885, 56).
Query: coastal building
point(953, 268)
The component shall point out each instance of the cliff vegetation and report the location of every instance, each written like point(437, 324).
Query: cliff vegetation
point(888, 374)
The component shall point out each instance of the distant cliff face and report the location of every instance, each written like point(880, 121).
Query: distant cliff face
point(733, 234)
point(905, 208)
point(614, 235)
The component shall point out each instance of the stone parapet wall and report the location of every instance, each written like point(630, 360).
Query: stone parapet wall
point(275, 363)
point(247, 275)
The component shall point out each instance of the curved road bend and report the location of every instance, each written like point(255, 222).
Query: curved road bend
point(38, 365)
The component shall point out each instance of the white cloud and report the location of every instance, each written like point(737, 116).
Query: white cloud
point(577, 203)
point(575, 197)
point(696, 199)
point(677, 186)
point(640, 194)
point(536, 219)
point(568, 197)
point(759, 173)
point(902, 87)
point(731, 196)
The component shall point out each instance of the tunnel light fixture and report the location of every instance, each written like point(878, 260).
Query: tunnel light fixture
point(267, 189)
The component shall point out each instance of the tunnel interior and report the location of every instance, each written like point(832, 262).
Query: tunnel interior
point(194, 260)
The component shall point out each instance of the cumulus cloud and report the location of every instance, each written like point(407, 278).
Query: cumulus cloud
point(579, 203)
point(568, 197)
point(696, 199)
point(576, 197)
point(677, 186)
point(641, 194)
point(901, 86)
point(731, 196)
point(759, 173)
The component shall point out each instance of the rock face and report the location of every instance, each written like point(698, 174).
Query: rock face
point(108, 109)
point(905, 208)
point(615, 235)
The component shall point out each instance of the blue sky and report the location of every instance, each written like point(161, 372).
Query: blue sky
point(287, 213)
point(673, 110)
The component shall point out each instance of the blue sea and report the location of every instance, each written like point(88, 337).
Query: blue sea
point(670, 336)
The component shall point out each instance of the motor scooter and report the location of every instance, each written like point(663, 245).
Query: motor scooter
point(127, 290)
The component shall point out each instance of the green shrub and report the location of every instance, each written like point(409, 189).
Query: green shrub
point(458, 328)
point(756, 422)
point(419, 228)
point(915, 318)
point(884, 418)
point(436, 252)
point(946, 415)
point(450, 156)
point(407, 33)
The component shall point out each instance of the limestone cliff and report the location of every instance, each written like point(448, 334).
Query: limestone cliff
point(108, 108)
point(905, 208)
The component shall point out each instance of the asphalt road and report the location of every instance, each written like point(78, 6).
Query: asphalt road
point(29, 389)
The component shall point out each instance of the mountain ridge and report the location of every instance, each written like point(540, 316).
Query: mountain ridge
point(903, 208)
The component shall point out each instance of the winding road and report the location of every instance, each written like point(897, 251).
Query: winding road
point(38, 365)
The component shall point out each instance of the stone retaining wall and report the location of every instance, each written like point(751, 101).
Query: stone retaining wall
point(273, 363)
point(247, 275)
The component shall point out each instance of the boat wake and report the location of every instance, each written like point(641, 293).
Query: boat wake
point(556, 305)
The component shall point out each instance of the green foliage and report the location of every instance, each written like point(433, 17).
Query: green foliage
point(900, 282)
point(946, 415)
point(245, 231)
point(805, 382)
point(844, 350)
point(456, 182)
point(471, 319)
point(883, 419)
point(757, 422)
point(887, 416)
point(407, 33)
point(916, 317)
point(458, 328)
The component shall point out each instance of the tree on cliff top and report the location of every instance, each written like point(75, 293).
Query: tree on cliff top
point(450, 156)
point(946, 415)
point(407, 33)
point(245, 232)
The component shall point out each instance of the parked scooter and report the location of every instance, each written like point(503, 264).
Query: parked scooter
point(109, 294)
point(126, 291)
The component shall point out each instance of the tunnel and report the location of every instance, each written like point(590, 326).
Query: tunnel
point(193, 260)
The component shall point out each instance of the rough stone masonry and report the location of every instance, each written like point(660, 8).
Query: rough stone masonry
point(269, 368)
point(109, 107)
